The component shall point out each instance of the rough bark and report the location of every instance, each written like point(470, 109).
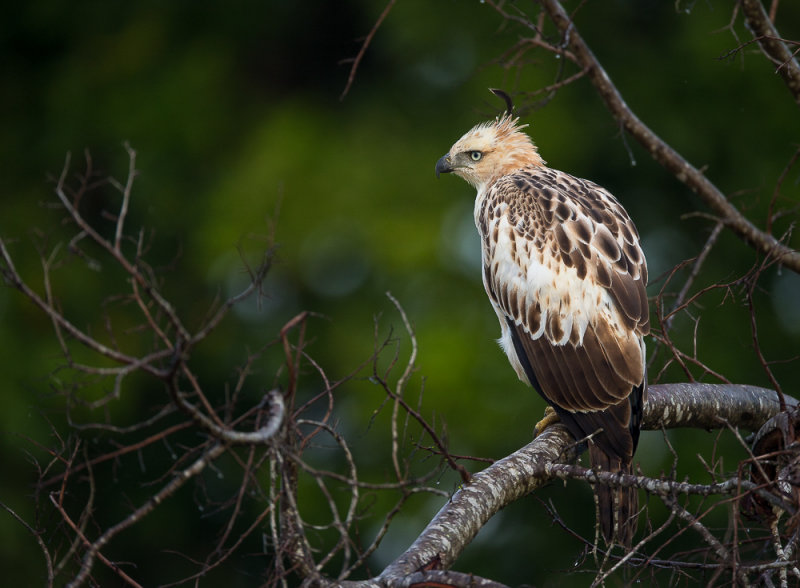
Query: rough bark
point(668, 406)
point(774, 47)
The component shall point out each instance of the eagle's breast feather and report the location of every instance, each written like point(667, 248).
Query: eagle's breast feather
point(562, 259)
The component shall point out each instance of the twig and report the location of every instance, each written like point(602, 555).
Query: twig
point(48, 561)
point(759, 22)
point(357, 61)
point(696, 266)
point(177, 481)
point(771, 208)
point(342, 526)
point(719, 549)
point(400, 387)
point(133, 270)
point(273, 399)
point(111, 565)
point(13, 277)
point(126, 197)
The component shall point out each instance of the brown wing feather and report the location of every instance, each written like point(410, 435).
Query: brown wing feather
point(626, 292)
point(621, 356)
point(598, 367)
point(566, 379)
point(578, 338)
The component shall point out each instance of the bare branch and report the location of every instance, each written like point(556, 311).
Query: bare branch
point(177, 481)
point(668, 405)
point(357, 61)
point(48, 560)
point(763, 28)
point(488, 491)
point(14, 279)
point(702, 406)
point(126, 198)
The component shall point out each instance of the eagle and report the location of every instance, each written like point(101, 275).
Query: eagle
point(566, 275)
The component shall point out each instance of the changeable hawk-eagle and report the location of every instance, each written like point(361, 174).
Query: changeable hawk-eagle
point(566, 276)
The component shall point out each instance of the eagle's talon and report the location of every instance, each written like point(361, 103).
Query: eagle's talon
point(548, 419)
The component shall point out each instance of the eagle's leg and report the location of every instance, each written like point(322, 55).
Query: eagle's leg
point(548, 419)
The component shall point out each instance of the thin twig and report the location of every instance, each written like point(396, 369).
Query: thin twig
point(357, 61)
point(126, 197)
point(48, 560)
point(137, 515)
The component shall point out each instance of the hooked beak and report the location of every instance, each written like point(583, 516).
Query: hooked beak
point(443, 166)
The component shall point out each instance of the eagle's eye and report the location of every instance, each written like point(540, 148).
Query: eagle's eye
point(475, 155)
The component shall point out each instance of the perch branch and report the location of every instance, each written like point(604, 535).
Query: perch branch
point(668, 406)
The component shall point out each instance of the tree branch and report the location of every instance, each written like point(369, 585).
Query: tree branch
point(168, 490)
point(764, 31)
point(668, 406)
point(709, 406)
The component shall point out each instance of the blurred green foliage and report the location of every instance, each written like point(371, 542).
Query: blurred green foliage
point(241, 137)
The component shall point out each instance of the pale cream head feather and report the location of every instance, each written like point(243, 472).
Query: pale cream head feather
point(490, 150)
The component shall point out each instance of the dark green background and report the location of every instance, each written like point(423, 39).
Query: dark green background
point(234, 111)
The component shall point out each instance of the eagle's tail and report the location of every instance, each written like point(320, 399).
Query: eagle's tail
point(618, 507)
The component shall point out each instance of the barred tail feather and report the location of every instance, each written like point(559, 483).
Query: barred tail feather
point(618, 508)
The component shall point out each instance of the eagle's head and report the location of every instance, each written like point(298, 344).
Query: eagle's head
point(490, 150)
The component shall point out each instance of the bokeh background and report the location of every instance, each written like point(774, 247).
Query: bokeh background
point(234, 111)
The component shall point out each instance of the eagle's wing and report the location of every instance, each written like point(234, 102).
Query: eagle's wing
point(566, 276)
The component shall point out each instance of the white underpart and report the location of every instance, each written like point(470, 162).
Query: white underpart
point(534, 279)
